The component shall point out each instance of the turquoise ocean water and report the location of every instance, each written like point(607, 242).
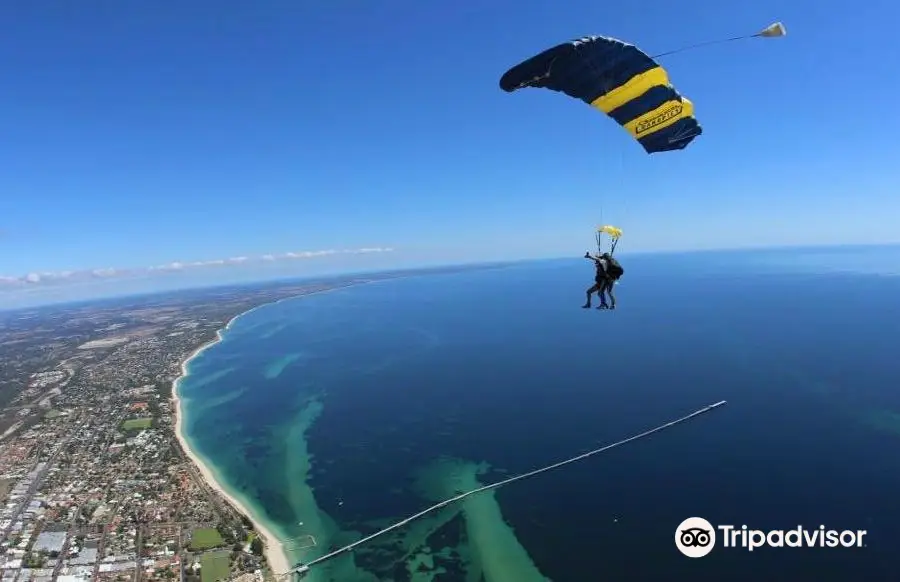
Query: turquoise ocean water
point(335, 414)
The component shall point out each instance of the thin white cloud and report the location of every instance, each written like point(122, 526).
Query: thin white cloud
point(59, 277)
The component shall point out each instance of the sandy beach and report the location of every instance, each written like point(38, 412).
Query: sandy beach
point(274, 550)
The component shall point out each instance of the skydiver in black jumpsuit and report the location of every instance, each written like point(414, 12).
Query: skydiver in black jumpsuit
point(600, 282)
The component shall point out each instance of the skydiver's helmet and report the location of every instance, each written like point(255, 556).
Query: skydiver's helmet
point(605, 256)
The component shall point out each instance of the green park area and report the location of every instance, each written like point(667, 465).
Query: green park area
point(205, 538)
point(215, 566)
point(137, 424)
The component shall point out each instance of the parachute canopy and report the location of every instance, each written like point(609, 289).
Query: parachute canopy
point(618, 79)
point(613, 232)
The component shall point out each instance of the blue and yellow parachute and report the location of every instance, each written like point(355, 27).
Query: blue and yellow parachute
point(618, 79)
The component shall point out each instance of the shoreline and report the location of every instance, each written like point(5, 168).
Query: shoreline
point(273, 547)
point(274, 552)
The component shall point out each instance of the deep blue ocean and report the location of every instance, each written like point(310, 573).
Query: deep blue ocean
point(502, 367)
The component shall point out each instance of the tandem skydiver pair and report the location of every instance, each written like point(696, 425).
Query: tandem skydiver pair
point(608, 269)
point(608, 272)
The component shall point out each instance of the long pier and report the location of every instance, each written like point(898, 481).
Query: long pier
point(302, 569)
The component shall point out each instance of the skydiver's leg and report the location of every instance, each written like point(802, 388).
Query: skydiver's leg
point(601, 292)
point(589, 292)
point(610, 285)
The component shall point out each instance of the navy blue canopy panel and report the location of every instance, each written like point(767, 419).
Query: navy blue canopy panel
point(618, 79)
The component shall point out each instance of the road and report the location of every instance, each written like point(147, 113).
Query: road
point(32, 489)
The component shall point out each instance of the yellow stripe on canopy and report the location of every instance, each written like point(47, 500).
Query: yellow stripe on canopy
point(660, 118)
point(634, 88)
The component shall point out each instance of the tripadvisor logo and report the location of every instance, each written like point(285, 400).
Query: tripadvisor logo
point(695, 537)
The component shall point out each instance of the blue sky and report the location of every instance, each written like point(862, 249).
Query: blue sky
point(141, 133)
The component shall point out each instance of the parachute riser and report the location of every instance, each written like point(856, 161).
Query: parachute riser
point(612, 246)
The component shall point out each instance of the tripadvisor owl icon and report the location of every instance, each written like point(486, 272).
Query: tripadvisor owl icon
point(695, 537)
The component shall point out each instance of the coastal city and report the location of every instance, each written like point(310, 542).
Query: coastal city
point(93, 482)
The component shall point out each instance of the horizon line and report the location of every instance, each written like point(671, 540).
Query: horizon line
point(474, 264)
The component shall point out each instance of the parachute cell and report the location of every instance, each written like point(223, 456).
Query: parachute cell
point(618, 79)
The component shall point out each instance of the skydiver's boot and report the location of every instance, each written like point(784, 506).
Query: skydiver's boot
point(587, 302)
point(603, 304)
